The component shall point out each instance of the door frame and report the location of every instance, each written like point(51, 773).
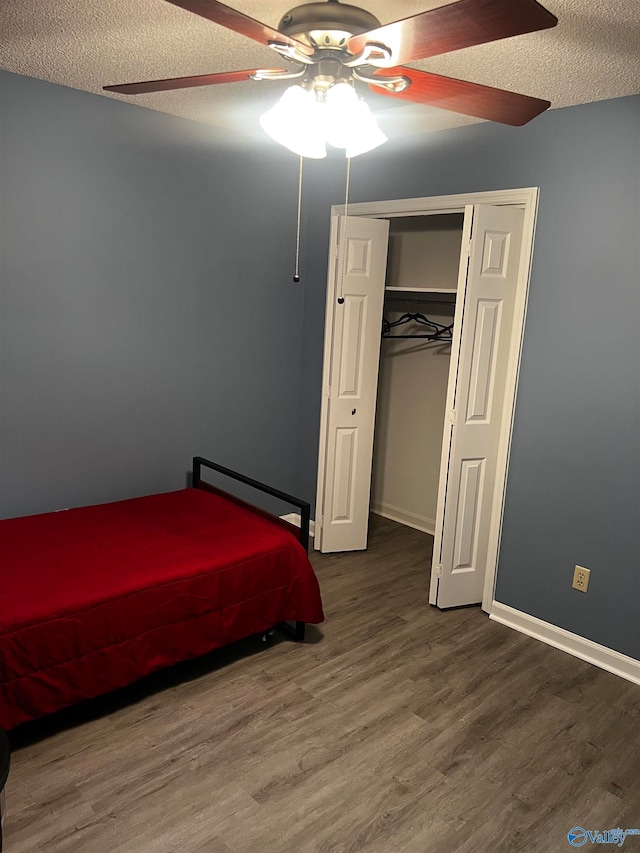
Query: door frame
point(525, 198)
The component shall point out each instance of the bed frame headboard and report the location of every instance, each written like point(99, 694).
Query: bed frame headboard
point(301, 533)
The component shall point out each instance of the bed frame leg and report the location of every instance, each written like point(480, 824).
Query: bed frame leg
point(296, 633)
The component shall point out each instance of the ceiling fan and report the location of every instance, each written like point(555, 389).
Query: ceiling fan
point(328, 44)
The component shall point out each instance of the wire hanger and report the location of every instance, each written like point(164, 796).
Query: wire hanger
point(437, 331)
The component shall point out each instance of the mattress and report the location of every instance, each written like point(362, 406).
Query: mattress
point(93, 598)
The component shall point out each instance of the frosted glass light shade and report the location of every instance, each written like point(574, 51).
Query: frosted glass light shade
point(340, 102)
point(304, 125)
point(349, 122)
point(365, 133)
point(296, 122)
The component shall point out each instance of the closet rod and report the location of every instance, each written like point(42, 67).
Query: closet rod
point(420, 301)
point(434, 338)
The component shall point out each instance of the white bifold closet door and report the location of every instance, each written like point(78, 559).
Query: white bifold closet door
point(349, 402)
point(475, 415)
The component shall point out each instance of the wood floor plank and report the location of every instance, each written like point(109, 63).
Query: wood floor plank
point(396, 728)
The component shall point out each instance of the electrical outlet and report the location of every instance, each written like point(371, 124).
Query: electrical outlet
point(581, 578)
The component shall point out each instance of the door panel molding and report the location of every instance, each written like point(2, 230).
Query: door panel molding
point(343, 474)
point(469, 497)
point(354, 312)
point(495, 254)
point(483, 371)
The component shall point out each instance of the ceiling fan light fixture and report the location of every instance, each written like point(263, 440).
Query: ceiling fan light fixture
point(333, 42)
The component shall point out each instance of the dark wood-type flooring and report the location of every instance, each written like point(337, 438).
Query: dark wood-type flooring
point(397, 727)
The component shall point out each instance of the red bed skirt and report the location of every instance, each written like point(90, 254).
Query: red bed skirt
point(91, 599)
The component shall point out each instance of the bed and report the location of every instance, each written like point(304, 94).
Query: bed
point(94, 598)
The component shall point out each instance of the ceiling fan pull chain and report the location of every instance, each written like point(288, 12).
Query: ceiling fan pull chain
point(343, 241)
point(296, 275)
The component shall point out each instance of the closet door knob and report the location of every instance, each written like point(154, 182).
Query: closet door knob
point(353, 411)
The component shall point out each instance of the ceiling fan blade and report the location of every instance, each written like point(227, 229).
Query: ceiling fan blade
point(240, 23)
point(184, 82)
point(457, 25)
point(471, 99)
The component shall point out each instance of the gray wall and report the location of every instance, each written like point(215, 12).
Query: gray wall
point(147, 311)
point(147, 314)
point(573, 492)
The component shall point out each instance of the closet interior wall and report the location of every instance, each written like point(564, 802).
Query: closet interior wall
point(422, 276)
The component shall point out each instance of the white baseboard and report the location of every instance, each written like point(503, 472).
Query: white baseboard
point(573, 644)
point(403, 516)
point(294, 518)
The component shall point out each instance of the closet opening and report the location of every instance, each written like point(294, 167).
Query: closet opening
point(415, 361)
point(492, 254)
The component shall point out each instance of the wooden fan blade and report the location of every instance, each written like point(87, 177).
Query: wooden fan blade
point(457, 25)
point(184, 82)
point(471, 99)
point(239, 23)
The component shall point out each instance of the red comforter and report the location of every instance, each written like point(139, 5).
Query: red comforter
point(91, 599)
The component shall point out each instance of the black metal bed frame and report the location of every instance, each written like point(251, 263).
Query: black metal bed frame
point(302, 533)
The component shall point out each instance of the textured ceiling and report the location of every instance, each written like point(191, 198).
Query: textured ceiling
point(593, 54)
